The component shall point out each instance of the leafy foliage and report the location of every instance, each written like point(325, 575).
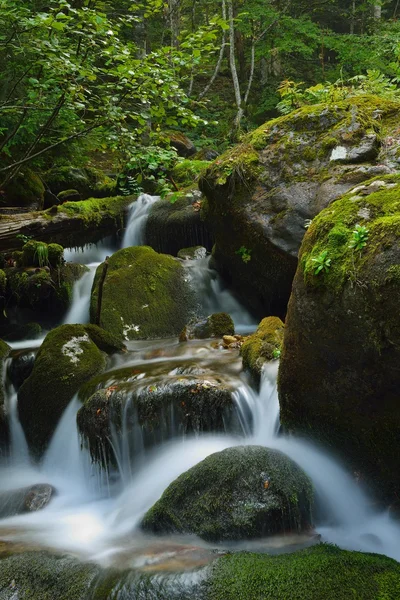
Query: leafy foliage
point(322, 262)
point(359, 238)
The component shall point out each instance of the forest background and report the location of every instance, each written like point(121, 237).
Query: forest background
point(85, 77)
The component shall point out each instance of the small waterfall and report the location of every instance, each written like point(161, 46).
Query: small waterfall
point(214, 297)
point(79, 309)
point(138, 213)
point(19, 452)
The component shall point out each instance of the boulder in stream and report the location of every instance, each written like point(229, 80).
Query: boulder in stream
point(263, 345)
point(261, 194)
point(67, 358)
point(28, 499)
point(339, 370)
point(172, 226)
point(126, 410)
point(240, 493)
point(140, 294)
point(215, 325)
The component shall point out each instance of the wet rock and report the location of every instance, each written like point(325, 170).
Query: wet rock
point(172, 226)
point(264, 345)
point(338, 376)
point(66, 359)
point(187, 403)
point(28, 499)
point(216, 325)
point(192, 253)
point(262, 194)
point(21, 367)
point(140, 294)
point(239, 493)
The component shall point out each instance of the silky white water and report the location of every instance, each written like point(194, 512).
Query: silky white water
point(96, 515)
point(97, 518)
point(138, 214)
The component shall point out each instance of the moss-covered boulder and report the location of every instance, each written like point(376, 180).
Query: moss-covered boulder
point(175, 225)
point(339, 371)
point(263, 345)
point(4, 353)
point(215, 325)
point(120, 403)
point(88, 181)
point(42, 293)
point(40, 254)
point(239, 493)
point(67, 359)
point(25, 190)
point(140, 294)
point(262, 193)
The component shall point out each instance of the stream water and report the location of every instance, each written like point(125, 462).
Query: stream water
point(96, 514)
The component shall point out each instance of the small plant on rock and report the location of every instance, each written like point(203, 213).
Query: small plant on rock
point(360, 238)
point(322, 263)
point(244, 253)
point(42, 255)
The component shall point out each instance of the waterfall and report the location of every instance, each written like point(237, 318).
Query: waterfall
point(79, 309)
point(138, 213)
point(214, 297)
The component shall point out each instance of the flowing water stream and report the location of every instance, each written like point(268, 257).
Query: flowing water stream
point(96, 514)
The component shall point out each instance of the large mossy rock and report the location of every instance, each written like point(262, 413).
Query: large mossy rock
point(172, 226)
point(26, 190)
point(261, 194)
point(263, 345)
point(67, 359)
point(339, 371)
point(4, 353)
point(140, 294)
point(152, 411)
point(240, 493)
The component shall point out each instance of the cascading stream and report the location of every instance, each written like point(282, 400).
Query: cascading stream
point(96, 515)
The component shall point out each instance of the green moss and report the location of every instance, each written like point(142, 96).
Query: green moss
point(104, 340)
point(241, 492)
point(66, 359)
point(321, 572)
point(88, 181)
point(187, 171)
point(240, 163)
point(159, 299)
point(221, 324)
point(265, 344)
point(56, 254)
point(332, 231)
point(3, 283)
point(42, 576)
point(94, 210)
